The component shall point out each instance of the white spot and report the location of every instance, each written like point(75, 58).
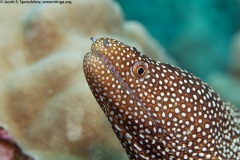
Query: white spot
point(128, 136)
point(116, 126)
point(177, 110)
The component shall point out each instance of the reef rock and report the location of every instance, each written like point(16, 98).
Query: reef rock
point(44, 98)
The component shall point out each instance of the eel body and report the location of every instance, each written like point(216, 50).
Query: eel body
point(157, 110)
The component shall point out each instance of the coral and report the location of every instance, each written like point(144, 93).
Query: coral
point(45, 100)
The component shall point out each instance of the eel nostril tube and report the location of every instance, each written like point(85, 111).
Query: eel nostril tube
point(93, 39)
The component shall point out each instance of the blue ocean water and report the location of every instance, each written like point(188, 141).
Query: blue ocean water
point(198, 34)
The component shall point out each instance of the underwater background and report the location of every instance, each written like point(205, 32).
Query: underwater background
point(199, 35)
point(47, 110)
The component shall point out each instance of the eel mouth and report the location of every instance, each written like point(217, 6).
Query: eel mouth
point(112, 69)
point(114, 72)
point(121, 81)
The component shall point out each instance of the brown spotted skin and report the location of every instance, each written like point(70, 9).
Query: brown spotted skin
point(157, 110)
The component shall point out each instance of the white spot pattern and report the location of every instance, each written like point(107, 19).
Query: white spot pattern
point(166, 112)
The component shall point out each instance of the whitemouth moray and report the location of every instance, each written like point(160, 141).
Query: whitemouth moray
point(157, 110)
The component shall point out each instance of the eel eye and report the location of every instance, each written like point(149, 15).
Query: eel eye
point(139, 69)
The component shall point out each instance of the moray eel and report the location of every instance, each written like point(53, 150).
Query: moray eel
point(157, 110)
